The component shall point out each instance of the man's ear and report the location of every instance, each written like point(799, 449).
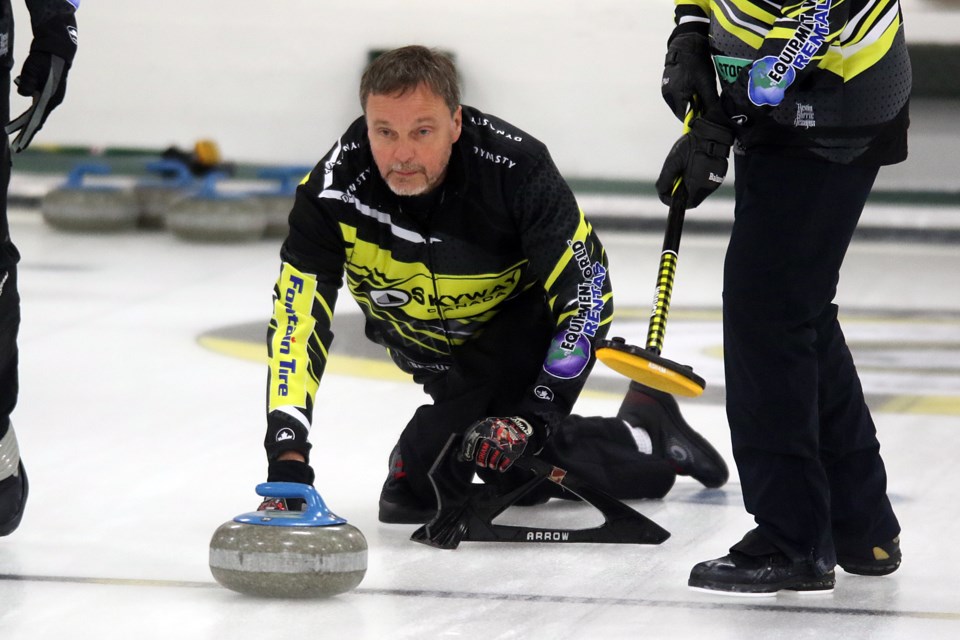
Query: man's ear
point(457, 123)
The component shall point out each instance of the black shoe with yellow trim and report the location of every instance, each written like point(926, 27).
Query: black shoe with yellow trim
point(881, 560)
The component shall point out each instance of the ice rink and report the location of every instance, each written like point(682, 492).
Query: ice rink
point(141, 422)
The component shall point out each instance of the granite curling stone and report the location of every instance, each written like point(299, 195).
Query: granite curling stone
point(209, 215)
point(78, 205)
point(277, 202)
point(289, 554)
point(171, 182)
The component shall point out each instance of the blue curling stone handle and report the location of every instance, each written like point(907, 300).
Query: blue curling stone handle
point(174, 172)
point(316, 513)
point(83, 169)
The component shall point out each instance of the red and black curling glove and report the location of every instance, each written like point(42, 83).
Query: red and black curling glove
point(495, 443)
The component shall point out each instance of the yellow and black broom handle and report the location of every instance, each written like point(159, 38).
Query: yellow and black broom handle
point(657, 329)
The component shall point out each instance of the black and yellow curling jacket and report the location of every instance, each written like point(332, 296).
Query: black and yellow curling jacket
point(827, 78)
point(503, 225)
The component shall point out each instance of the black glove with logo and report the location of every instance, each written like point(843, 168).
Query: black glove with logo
point(699, 159)
point(495, 443)
point(44, 74)
point(688, 74)
point(285, 433)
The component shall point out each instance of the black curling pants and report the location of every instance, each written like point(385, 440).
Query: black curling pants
point(491, 375)
point(803, 438)
point(9, 296)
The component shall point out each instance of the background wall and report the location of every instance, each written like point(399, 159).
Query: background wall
point(275, 80)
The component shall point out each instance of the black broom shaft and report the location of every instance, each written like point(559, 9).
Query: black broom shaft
point(671, 238)
point(657, 329)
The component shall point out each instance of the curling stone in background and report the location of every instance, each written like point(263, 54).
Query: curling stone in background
point(211, 215)
point(277, 202)
point(289, 554)
point(171, 182)
point(78, 205)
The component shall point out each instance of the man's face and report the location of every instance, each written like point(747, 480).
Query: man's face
point(411, 137)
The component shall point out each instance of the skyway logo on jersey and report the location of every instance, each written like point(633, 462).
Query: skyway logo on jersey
point(425, 297)
point(466, 299)
point(294, 322)
point(771, 75)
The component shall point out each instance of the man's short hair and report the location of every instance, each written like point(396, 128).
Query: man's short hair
point(401, 70)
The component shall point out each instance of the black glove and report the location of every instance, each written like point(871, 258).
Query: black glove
point(44, 74)
point(688, 74)
point(285, 433)
point(290, 471)
point(495, 443)
point(699, 158)
point(287, 471)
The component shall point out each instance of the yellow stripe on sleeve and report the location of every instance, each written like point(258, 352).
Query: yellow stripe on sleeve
point(582, 233)
point(290, 379)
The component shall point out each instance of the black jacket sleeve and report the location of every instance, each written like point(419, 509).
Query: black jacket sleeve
point(570, 261)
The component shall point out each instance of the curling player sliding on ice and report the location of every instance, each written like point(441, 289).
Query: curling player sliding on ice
point(476, 269)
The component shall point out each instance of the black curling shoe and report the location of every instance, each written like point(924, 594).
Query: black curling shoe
point(878, 561)
point(673, 439)
point(398, 504)
point(13, 500)
point(741, 575)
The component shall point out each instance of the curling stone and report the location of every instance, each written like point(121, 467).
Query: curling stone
point(80, 206)
point(210, 215)
point(155, 195)
point(277, 203)
point(289, 554)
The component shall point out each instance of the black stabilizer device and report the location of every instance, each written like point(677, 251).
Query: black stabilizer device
point(468, 515)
